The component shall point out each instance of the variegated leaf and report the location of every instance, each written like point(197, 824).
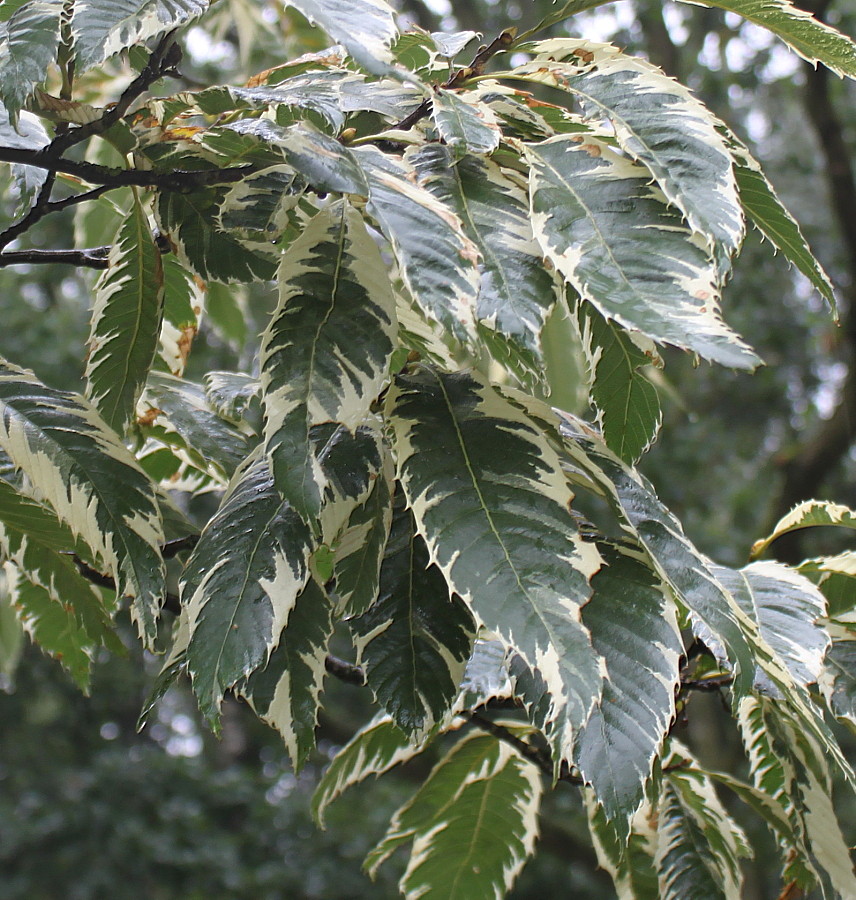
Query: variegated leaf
point(437, 260)
point(374, 749)
point(257, 207)
point(80, 467)
point(176, 412)
point(465, 124)
point(634, 628)
point(241, 583)
point(231, 394)
point(772, 219)
point(450, 44)
point(806, 515)
point(627, 403)
point(837, 682)
point(285, 692)
point(28, 45)
point(787, 608)
point(25, 514)
point(615, 239)
point(516, 292)
point(415, 640)
point(836, 578)
point(174, 666)
point(473, 823)
point(11, 636)
point(658, 121)
point(27, 133)
point(491, 502)
point(365, 27)
point(699, 846)
point(183, 305)
point(102, 28)
point(360, 549)
point(126, 321)
point(325, 354)
point(813, 40)
point(787, 762)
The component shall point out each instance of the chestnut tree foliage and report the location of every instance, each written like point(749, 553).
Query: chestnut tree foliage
point(389, 467)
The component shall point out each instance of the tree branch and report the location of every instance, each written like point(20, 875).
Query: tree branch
point(95, 258)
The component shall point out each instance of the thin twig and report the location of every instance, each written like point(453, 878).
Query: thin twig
point(83, 197)
point(33, 214)
point(96, 258)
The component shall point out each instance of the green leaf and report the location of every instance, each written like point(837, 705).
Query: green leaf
point(414, 642)
point(812, 40)
point(465, 124)
point(285, 692)
point(373, 750)
point(473, 823)
point(241, 583)
point(787, 607)
point(102, 28)
point(838, 681)
point(190, 222)
point(27, 133)
point(257, 207)
point(615, 239)
point(126, 321)
point(836, 578)
point(184, 301)
point(516, 292)
point(22, 513)
point(79, 466)
point(658, 121)
point(770, 217)
point(325, 354)
point(627, 403)
point(634, 628)
point(437, 260)
point(231, 394)
point(491, 501)
point(11, 636)
point(365, 27)
point(806, 515)
point(28, 46)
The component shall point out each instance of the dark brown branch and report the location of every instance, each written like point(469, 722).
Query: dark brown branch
point(345, 671)
point(96, 258)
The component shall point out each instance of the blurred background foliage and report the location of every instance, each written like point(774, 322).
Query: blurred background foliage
point(91, 809)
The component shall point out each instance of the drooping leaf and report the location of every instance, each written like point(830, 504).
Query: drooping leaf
point(415, 640)
point(11, 636)
point(241, 583)
point(465, 124)
point(437, 260)
point(80, 467)
point(836, 578)
point(490, 499)
point(634, 628)
point(373, 750)
point(658, 121)
point(627, 402)
point(473, 823)
point(325, 354)
point(838, 680)
point(787, 608)
point(183, 305)
point(28, 133)
point(516, 292)
point(25, 514)
point(101, 28)
point(806, 515)
point(28, 45)
point(615, 239)
point(231, 394)
point(285, 692)
point(365, 27)
point(126, 321)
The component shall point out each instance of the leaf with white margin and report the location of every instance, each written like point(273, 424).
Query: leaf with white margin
point(627, 402)
point(414, 641)
point(27, 134)
point(465, 124)
point(325, 354)
point(812, 40)
point(365, 27)
point(438, 261)
point(614, 237)
point(285, 692)
point(40, 523)
point(516, 292)
point(658, 121)
point(787, 607)
point(28, 46)
point(492, 503)
point(473, 823)
point(634, 627)
point(786, 760)
point(257, 207)
point(769, 215)
point(450, 43)
point(78, 465)
point(102, 28)
point(231, 394)
point(126, 321)
point(374, 749)
point(699, 846)
point(836, 578)
point(837, 682)
point(183, 306)
point(806, 515)
point(241, 583)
